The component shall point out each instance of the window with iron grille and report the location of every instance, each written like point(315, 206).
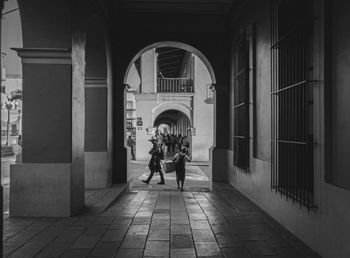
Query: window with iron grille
point(14, 130)
point(292, 101)
point(241, 104)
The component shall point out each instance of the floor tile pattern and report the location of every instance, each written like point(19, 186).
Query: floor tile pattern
point(157, 223)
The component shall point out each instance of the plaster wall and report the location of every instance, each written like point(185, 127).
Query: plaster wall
point(47, 119)
point(40, 190)
point(149, 71)
point(96, 119)
point(96, 170)
point(329, 221)
point(133, 78)
point(339, 92)
point(96, 63)
point(12, 84)
point(40, 26)
point(202, 114)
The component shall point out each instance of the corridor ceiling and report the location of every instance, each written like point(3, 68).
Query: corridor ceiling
point(170, 61)
point(174, 6)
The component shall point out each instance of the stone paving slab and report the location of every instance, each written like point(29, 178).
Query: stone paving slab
point(144, 223)
point(99, 200)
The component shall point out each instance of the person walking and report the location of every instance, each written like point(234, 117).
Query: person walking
point(154, 163)
point(180, 160)
point(186, 144)
point(166, 142)
point(179, 141)
point(131, 143)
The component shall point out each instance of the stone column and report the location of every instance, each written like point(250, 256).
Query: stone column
point(97, 160)
point(218, 154)
point(50, 181)
point(120, 156)
point(1, 188)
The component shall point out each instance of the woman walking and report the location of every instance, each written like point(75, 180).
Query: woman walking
point(180, 167)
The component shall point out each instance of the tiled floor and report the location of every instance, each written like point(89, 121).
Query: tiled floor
point(153, 223)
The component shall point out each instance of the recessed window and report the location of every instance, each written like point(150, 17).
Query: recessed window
point(241, 104)
point(292, 101)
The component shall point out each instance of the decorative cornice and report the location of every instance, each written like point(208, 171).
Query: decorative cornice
point(95, 82)
point(44, 55)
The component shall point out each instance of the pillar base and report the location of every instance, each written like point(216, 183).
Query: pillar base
point(218, 164)
point(97, 170)
point(42, 190)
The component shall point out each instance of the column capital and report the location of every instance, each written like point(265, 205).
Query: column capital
point(44, 55)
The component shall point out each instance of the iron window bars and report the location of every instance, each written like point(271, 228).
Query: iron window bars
point(292, 105)
point(241, 104)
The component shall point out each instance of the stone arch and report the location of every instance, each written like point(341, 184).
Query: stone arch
point(174, 44)
point(129, 57)
point(162, 107)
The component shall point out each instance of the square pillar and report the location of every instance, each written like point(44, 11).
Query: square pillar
point(97, 159)
point(50, 180)
point(219, 159)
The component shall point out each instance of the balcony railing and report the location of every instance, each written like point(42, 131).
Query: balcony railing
point(175, 85)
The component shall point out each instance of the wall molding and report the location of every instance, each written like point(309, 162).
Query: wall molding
point(95, 82)
point(44, 55)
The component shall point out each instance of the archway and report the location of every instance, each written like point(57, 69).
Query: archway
point(178, 125)
point(173, 44)
point(159, 89)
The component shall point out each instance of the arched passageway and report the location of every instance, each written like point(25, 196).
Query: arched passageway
point(179, 126)
point(166, 83)
point(178, 121)
point(128, 54)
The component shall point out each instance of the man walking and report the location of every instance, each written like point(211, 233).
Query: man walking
point(154, 163)
point(131, 143)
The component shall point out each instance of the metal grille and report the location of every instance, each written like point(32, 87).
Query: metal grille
point(241, 104)
point(292, 107)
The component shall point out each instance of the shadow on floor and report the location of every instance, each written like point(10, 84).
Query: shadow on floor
point(196, 179)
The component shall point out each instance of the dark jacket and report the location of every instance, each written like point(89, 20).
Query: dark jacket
point(154, 163)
